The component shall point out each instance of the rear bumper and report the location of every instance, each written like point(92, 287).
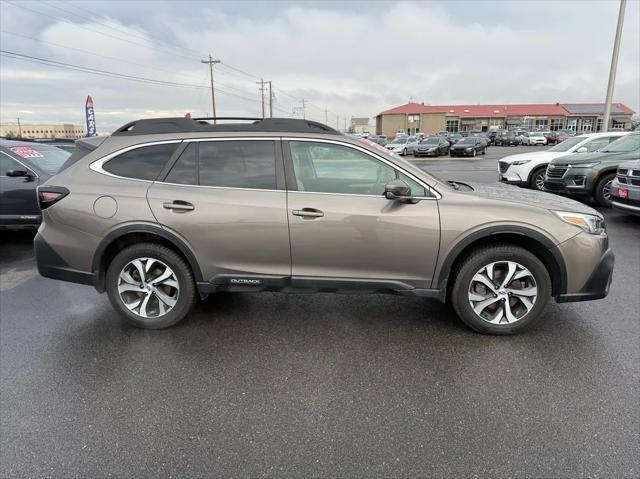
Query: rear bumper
point(20, 222)
point(598, 284)
point(51, 265)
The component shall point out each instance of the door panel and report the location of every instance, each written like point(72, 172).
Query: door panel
point(18, 196)
point(364, 237)
point(235, 216)
point(230, 230)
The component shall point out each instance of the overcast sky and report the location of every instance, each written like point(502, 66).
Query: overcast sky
point(351, 58)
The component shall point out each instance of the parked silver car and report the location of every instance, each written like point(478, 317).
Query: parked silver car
point(403, 145)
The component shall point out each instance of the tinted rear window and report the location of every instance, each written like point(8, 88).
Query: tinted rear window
point(238, 164)
point(48, 159)
point(143, 163)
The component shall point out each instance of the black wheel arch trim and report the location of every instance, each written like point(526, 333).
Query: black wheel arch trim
point(178, 243)
point(559, 282)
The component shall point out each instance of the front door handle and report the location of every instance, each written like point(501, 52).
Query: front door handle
point(308, 212)
point(178, 206)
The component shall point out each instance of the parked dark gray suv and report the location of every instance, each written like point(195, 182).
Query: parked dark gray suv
point(165, 211)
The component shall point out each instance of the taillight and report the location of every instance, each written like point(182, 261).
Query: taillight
point(49, 195)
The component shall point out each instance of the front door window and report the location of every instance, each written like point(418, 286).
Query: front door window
point(329, 168)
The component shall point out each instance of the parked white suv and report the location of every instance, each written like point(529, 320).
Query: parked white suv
point(527, 169)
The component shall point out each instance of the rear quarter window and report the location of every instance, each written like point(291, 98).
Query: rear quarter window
point(144, 163)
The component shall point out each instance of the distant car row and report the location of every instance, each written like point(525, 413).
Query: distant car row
point(592, 166)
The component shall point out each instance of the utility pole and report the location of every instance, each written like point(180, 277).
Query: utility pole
point(212, 62)
point(345, 124)
point(261, 83)
point(19, 128)
point(270, 101)
point(304, 109)
point(614, 67)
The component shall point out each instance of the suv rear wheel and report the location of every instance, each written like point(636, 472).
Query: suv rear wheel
point(151, 286)
point(501, 289)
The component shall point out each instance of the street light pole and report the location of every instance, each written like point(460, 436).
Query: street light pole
point(614, 67)
point(19, 128)
point(212, 62)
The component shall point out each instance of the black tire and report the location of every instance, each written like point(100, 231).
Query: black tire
point(600, 193)
point(475, 152)
point(186, 297)
point(404, 152)
point(484, 151)
point(484, 256)
point(534, 182)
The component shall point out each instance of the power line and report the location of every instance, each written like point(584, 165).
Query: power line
point(237, 71)
point(122, 76)
point(226, 86)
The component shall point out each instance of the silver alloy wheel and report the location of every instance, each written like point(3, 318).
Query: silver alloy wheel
point(148, 287)
point(606, 190)
point(539, 181)
point(502, 292)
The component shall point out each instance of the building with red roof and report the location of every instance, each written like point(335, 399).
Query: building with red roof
point(413, 117)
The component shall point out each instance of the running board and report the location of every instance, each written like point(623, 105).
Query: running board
point(310, 284)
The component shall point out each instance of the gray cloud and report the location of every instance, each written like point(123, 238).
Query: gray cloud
point(351, 58)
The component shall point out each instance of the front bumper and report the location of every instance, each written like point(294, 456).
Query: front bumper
point(461, 153)
point(574, 182)
point(630, 204)
point(598, 284)
point(514, 174)
point(425, 153)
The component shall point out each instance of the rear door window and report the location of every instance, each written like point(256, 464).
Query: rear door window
point(144, 163)
point(238, 164)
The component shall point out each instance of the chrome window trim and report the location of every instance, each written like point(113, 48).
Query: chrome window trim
point(216, 187)
point(97, 165)
point(436, 194)
point(233, 138)
point(21, 163)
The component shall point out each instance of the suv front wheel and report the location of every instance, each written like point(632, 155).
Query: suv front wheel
point(501, 289)
point(151, 286)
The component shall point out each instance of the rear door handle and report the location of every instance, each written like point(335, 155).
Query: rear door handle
point(178, 206)
point(308, 212)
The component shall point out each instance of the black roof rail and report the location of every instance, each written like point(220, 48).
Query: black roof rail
point(194, 125)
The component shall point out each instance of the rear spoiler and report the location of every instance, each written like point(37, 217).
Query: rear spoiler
point(91, 142)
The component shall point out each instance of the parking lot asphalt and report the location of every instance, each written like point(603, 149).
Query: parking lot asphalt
point(324, 385)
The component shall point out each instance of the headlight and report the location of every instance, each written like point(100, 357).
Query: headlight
point(521, 162)
point(468, 149)
point(584, 165)
point(590, 223)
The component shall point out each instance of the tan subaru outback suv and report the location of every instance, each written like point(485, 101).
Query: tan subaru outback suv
point(166, 211)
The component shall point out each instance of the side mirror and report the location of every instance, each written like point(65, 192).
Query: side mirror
point(17, 173)
point(398, 190)
point(582, 149)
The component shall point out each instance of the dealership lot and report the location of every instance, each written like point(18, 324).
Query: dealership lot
point(308, 385)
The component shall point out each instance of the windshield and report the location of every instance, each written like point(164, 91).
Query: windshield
point(44, 157)
point(430, 141)
point(624, 144)
point(464, 141)
point(567, 144)
point(399, 141)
